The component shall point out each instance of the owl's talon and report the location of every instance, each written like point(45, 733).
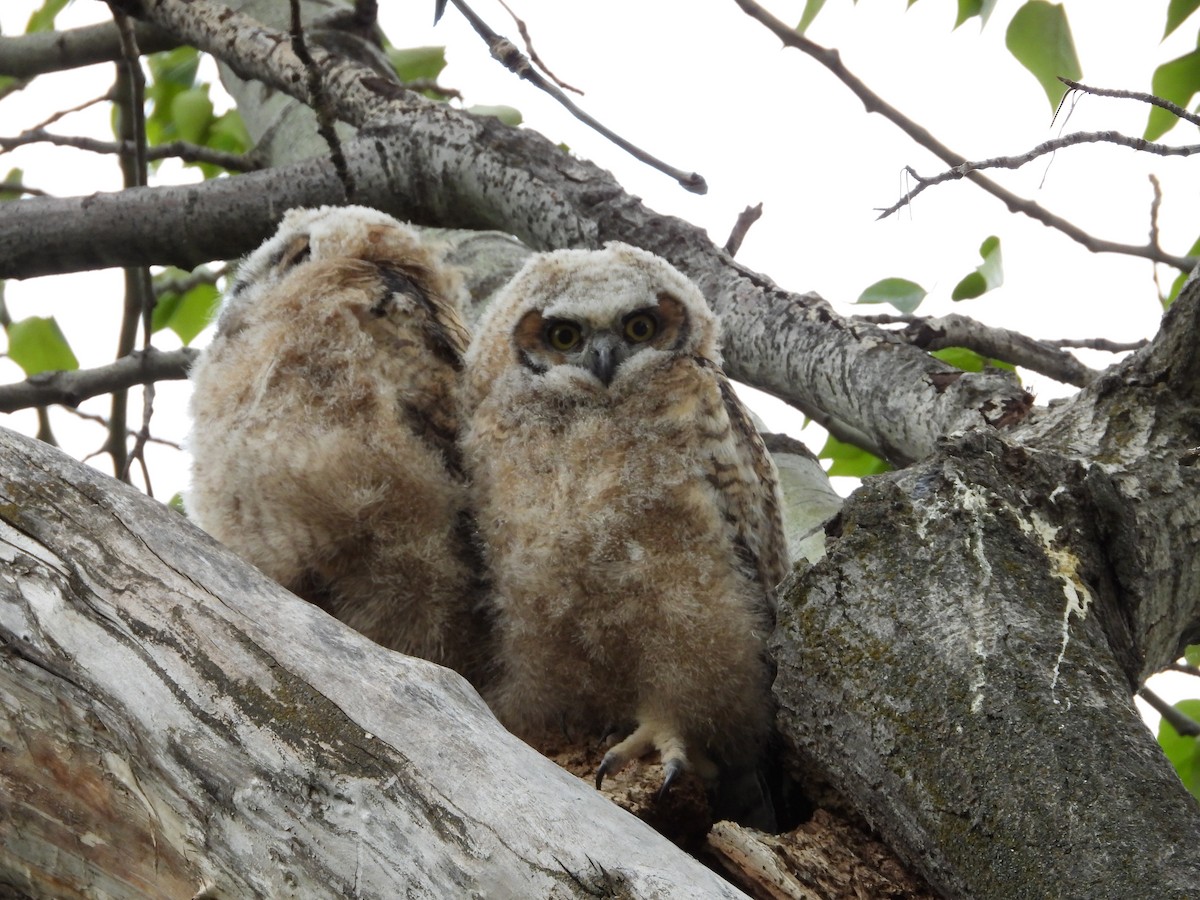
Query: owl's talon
point(673, 768)
point(608, 765)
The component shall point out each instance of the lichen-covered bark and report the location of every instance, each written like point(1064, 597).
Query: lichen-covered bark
point(172, 724)
point(960, 665)
point(1137, 431)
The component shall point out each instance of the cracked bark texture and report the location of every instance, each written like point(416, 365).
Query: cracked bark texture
point(960, 664)
point(173, 724)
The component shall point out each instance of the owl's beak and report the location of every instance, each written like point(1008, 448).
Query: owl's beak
point(602, 357)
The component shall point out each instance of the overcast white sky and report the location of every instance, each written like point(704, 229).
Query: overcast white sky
point(706, 89)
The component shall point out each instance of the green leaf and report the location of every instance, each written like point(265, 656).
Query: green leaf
point(1177, 81)
point(14, 176)
point(851, 461)
point(1192, 654)
point(176, 503)
point(37, 345)
point(176, 68)
point(228, 133)
point(1040, 38)
point(186, 314)
point(969, 360)
point(1177, 12)
point(43, 18)
point(192, 113)
point(811, 8)
point(417, 63)
point(988, 276)
point(505, 114)
point(1183, 751)
point(968, 9)
point(905, 295)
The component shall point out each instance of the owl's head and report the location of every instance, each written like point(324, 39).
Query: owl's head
point(310, 244)
point(604, 313)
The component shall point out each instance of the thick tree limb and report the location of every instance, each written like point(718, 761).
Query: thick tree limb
point(199, 731)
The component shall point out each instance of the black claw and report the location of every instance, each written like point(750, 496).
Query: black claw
point(605, 767)
point(674, 769)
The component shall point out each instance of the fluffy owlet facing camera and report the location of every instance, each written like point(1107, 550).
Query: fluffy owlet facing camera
point(630, 513)
point(324, 425)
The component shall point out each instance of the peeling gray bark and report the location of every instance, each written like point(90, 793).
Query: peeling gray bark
point(960, 664)
point(434, 165)
point(174, 724)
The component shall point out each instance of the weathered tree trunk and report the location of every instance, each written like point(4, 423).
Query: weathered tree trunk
point(961, 663)
point(173, 724)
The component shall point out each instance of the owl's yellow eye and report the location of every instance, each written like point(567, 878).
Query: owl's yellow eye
point(640, 327)
point(563, 335)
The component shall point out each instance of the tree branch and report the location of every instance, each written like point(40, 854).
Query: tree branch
point(72, 388)
point(234, 162)
point(438, 166)
point(1151, 250)
point(922, 136)
point(1173, 108)
point(741, 227)
point(319, 102)
point(505, 52)
point(954, 330)
point(1183, 724)
point(28, 55)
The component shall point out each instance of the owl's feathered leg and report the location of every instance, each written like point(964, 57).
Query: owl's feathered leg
point(672, 748)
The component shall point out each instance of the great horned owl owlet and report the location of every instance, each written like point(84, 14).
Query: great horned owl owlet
point(629, 510)
point(324, 426)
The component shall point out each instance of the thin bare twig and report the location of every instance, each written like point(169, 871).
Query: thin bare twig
point(505, 52)
point(1170, 107)
point(1185, 669)
point(533, 57)
point(100, 420)
point(1182, 723)
point(1102, 344)
point(72, 388)
point(1016, 162)
point(831, 60)
point(10, 190)
point(130, 103)
point(234, 162)
point(106, 97)
point(320, 103)
point(745, 219)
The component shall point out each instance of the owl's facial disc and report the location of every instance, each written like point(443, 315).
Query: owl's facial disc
point(598, 347)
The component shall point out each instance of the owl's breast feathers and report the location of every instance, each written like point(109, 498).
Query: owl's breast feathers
point(711, 481)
